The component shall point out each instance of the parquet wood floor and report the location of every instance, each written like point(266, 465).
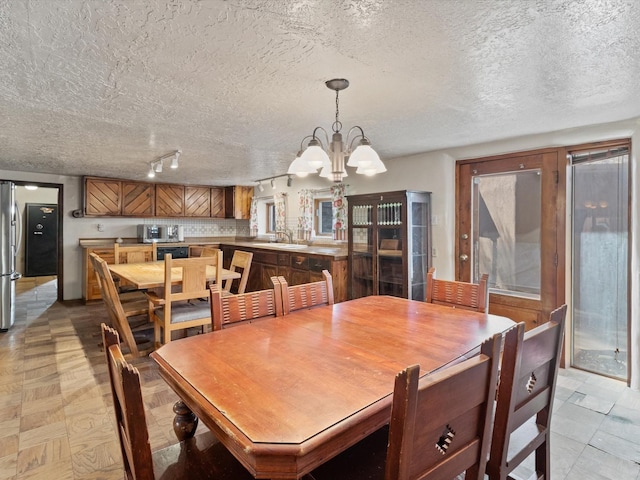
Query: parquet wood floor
point(56, 419)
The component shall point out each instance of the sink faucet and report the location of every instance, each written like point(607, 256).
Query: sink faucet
point(288, 234)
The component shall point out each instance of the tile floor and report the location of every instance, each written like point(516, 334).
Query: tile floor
point(56, 419)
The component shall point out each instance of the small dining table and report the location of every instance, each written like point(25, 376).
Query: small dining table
point(288, 393)
point(149, 275)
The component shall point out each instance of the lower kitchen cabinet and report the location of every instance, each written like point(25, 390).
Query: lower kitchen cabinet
point(296, 268)
point(91, 290)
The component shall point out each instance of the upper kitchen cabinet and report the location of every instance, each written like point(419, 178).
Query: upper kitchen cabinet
point(103, 196)
point(169, 200)
point(237, 202)
point(138, 199)
point(217, 202)
point(197, 201)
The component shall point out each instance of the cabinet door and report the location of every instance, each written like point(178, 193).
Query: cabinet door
point(138, 199)
point(217, 202)
point(197, 201)
point(91, 288)
point(102, 196)
point(237, 202)
point(169, 200)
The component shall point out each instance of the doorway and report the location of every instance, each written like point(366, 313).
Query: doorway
point(45, 193)
point(600, 260)
point(510, 225)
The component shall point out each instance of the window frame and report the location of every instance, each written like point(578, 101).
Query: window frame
point(317, 217)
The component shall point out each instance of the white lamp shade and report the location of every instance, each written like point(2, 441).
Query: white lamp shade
point(375, 167)
point(315, 156)
point(300, 168)
point(363, 156)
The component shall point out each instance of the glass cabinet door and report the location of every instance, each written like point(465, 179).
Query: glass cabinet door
point(362, 251)
point(419, 245)
point(390, 246)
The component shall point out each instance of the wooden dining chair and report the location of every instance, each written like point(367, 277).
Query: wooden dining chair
point(306, 295)
point(528, 376)
point(127, 316)
point(135, 253)
point(182, 307)
point(230, 310)
point(470, 296)
point(200, 457)
point(241, 260)
point(440, 425)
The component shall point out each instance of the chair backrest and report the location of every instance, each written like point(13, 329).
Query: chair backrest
point(111, 300)
point(470, 296)
point(307, 295)
point(227, 310)
point(194, 277)
point(441, 424)
point(528, 376)
point(135, 253)
point(129, 409)
point(241, 260)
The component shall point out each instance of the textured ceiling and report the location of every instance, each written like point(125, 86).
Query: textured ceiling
point(103, 87)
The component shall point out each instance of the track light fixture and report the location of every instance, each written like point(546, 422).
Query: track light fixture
point(272, 181)
point(156, 165)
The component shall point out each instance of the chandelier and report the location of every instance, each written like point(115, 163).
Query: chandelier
point(330, 157)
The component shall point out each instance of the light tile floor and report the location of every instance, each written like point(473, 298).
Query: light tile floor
point(56, 419)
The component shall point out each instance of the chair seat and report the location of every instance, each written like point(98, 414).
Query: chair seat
point(202, 457)
point(186, 311)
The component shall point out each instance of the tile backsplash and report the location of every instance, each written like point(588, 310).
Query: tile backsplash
point(205, 227)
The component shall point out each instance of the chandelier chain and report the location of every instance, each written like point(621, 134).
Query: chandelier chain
point(337, 126)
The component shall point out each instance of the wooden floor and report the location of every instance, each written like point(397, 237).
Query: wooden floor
point(56, 419)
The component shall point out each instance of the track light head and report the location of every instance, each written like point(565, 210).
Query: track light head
point(289, 180)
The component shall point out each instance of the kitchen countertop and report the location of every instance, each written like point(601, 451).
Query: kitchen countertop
point(338, 252)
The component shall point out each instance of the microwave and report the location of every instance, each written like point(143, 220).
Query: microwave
point(160, 233)
point(152, 233)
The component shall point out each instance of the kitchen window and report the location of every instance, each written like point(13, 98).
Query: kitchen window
point(323, 217)
point(270, 226)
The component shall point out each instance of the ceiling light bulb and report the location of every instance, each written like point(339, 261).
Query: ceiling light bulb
point(151, 173)
point(174, 160)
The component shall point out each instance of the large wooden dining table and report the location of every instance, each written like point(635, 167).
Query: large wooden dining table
point(151, 274)
point(288, 393)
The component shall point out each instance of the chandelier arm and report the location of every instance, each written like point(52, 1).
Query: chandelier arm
point(326, 136)
point(356, 137)
point(302, 147)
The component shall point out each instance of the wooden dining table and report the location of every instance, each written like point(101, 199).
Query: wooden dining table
point(151, 274)
point(288, 393)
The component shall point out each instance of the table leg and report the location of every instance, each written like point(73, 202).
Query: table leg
point(185, 421)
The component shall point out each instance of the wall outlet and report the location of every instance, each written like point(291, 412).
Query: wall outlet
point(101, 227)
point(434, 252)
point(434, 219)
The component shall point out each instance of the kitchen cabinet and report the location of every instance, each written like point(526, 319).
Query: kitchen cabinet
point(295, 267)
point(115, 197)
point(90, 288)
point(102, 196)
point(237, 202)
point(169, 200)
point(217, 202)
point(389, 244)
point(197, 201)
point(138, 199)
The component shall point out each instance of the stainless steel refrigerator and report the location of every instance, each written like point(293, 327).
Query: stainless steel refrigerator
point(10, 232)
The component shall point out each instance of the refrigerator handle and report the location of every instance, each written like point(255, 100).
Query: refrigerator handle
point(18, 230)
